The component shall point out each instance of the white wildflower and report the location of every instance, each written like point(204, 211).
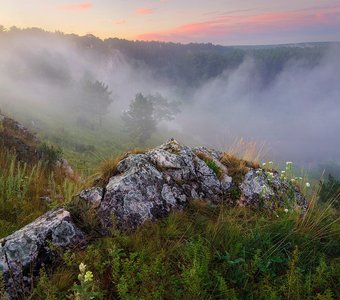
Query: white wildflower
point(286, 210)
point(82, 268)
point(307, 184)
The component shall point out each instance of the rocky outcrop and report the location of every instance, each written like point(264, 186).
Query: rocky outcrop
point(28, 147)
point(16, 137)
point(263, 189)
point(24, 252)
point(148, 186)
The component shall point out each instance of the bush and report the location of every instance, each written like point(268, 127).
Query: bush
point(331, 190)
point(50, 153)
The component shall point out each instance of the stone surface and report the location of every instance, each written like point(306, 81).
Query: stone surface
point(24, 252)
point(152, 184)
point(265, 189)
point(93, 195)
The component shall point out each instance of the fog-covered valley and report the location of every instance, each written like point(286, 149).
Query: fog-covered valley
point(286, 97)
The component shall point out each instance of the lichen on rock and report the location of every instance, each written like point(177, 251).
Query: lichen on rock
point(263, 191)
point(24, 252)
point(152, 184)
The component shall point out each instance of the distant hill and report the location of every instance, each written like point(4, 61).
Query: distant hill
point(186, 64)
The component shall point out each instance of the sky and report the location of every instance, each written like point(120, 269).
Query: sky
point(225, 22)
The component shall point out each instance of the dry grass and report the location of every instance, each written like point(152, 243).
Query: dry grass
point(247, 150)
point(237, 168)
point(108, 169)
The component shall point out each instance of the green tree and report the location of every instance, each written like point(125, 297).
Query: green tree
point(95, 99)
point(145, 113)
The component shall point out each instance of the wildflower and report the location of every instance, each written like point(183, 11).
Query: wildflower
point(283, 172)
point(292, 180)
point(300, 178)
point(289, 163)
point(82, 268)
point(264, 164)
point(270, 162)
point(286, 210)
point(307, 184)
point(88, 276)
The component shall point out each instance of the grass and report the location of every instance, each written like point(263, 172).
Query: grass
point(246, 149)
point(108, 168)
point(204, 252)
point(22, 187)
point(237, 168)
point(213, 253)
point(211, 164)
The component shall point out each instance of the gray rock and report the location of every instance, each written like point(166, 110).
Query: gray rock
point(24, 252)
point(148, 186)
point(93, 195)
point(261, 188)
point(151, 185)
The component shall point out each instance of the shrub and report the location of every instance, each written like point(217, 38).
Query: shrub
point(50, 153)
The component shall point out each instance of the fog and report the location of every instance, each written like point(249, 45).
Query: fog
point(297, 115)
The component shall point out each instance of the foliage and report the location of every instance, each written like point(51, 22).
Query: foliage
point(145, 113)
point(219, 253)
point(95, 99)
point(85, 290)
point(50, 153)
point(331, 190)
point(23, 188)
point(213, 166)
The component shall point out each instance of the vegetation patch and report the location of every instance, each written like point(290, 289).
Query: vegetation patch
point(27, 191)
point(108, 169)
point(50, 154)
point(237, 168)
point(211, 164)
point(210, 252)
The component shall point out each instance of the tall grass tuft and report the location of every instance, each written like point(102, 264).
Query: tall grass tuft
point(27, 191)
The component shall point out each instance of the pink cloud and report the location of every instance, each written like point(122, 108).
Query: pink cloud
point(222, 26)
point(75, 6)
point(144, 11)
point(119, 22)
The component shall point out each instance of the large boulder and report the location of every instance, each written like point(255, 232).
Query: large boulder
point(148, 186)
point(24, 252)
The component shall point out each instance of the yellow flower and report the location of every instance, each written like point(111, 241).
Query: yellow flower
point(88, 276)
